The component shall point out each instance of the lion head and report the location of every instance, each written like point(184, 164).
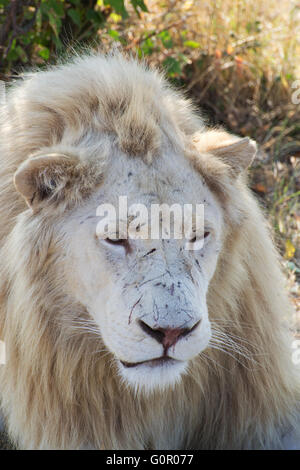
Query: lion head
point(146, 295)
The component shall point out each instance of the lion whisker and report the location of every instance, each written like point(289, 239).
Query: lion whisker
point(216, 363)
point(230, 353)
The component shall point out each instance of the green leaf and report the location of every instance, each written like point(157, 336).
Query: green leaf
point(139, 4)
point(192, 44)
point(44, 8)
point(44, 53)
point(118, 6)
point(12, 54)
point(114, 34)
point(58, 44)
point(21, 54)
point(75, 16)
point(28, 39)
point(55, 23)
point(94, 16)
point(57, 7)
point(166, 39)
point(172, 66)
point(147, 46)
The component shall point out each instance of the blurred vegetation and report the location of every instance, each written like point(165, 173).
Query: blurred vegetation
point(237, 59)
point(32, 30)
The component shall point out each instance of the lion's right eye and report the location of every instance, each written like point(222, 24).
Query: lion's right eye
point(116, 241)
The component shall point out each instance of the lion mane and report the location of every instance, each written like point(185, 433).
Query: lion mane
point(55, 392)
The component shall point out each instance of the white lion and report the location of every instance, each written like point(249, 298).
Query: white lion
point(134, 343)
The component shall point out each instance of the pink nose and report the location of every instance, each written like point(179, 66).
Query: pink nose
point(167, 336)
point(171, 336)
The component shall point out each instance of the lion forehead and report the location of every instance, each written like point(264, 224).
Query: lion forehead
point(86, 98)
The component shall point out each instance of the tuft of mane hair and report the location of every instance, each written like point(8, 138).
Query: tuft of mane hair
point(54, 391)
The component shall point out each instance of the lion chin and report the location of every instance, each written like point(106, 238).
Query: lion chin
point(154, 374)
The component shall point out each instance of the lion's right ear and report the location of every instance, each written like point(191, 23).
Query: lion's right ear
point(42, 178)
point(236, 152)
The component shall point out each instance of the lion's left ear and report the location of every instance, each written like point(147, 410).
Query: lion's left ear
point(238, 153)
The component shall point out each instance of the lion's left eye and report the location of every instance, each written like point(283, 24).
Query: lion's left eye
point(196, 242)
point(196, 238)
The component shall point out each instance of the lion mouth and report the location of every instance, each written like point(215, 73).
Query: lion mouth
point(159, 361)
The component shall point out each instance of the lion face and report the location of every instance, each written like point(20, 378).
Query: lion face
point(148, 296)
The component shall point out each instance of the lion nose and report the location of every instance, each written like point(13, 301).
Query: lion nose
point(166, 336)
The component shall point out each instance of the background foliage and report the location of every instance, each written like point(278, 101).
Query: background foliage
point(237, 59)
point(32, 30)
